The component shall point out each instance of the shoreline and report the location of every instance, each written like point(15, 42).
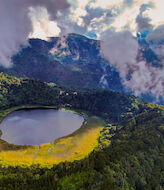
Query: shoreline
point(73, 146)
point(30, 107)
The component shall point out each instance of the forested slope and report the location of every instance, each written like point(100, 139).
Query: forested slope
point(130, 153)
point(105, 103)
point(133, 160)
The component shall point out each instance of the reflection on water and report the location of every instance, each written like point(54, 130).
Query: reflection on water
point(38, 126)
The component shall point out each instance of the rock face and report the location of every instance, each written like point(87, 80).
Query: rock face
point(75, 61)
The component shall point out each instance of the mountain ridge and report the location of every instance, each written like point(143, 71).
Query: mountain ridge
point(75, 60)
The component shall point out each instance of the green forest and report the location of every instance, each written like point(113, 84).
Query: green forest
point(131, 146)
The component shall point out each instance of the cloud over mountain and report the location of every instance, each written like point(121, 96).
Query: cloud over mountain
point(115, 22)
point(16, 24)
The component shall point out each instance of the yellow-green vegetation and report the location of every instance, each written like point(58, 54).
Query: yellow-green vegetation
point(73, 147)
point(105, 136)
point(130, 152)
point(152, 106)
point(76, 69)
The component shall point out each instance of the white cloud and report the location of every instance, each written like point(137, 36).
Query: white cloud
point(43, 27)
point(120, 49)
point(146, 78)
point(98, 25)
point(78, 10)
point(84, 17)
point(127, 19)
point(157, 13)
point(106, 4)
point(110, 20)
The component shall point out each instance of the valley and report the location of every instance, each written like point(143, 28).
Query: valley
point(81, 95)
point(120, 132)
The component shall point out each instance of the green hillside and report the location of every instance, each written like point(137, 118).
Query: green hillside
point(130, 150)
point(112, 106)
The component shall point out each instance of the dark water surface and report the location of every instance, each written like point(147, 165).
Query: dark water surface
point(38, 126)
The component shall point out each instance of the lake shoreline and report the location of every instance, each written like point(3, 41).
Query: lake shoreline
point(74, 146)
point(41, 108)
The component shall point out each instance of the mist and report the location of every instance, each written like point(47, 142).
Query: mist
point(115, 23)
point(121, 49)
point(16, 24)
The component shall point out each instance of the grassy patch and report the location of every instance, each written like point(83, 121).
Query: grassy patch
point(72, 147)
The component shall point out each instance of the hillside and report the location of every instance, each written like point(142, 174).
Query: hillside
point(130, 151)
point(105, 103)
point(75, 60)
point(72, 61)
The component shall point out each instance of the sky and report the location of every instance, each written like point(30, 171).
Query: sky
point(115, 23)
point(96, 16)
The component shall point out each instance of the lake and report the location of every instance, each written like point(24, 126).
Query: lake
point(38, 126)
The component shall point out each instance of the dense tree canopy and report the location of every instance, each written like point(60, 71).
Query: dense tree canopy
point(130, 153)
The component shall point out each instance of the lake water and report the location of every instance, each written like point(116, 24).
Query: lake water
point(38, 126)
